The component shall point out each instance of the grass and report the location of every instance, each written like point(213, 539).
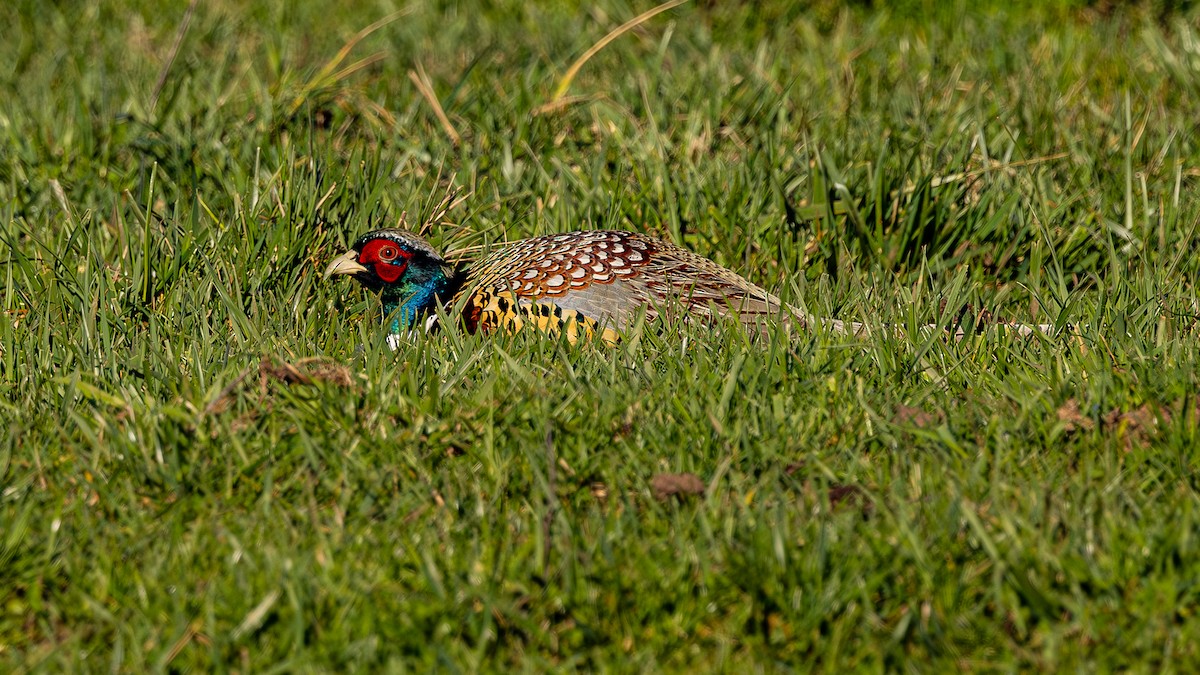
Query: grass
point(213, 462)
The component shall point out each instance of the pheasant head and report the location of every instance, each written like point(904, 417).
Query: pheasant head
point(410, 275)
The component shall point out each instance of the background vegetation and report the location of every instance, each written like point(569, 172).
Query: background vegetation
point(211, 460)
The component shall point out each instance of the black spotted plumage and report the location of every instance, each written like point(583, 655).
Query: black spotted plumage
point(609, 277)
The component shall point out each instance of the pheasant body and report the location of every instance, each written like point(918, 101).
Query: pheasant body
point(577, 283)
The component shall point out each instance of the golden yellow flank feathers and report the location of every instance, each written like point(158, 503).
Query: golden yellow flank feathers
point(504, 312)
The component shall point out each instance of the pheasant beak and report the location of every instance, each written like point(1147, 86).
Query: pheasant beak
point(347, 263)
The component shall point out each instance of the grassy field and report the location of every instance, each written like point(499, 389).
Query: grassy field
point(211, 461)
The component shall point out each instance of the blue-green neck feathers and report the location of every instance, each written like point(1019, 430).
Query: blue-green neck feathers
point(417, 295)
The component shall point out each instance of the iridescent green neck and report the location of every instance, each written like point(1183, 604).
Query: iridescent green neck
point(418, 296)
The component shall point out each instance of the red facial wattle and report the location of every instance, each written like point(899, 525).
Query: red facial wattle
point(389, 260)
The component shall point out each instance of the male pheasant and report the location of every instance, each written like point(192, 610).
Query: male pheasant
point(577, 283)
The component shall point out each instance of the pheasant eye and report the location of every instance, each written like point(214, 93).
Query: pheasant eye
point(388, 253)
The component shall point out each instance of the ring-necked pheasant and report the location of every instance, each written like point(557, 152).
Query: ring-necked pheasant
point(577, 283)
